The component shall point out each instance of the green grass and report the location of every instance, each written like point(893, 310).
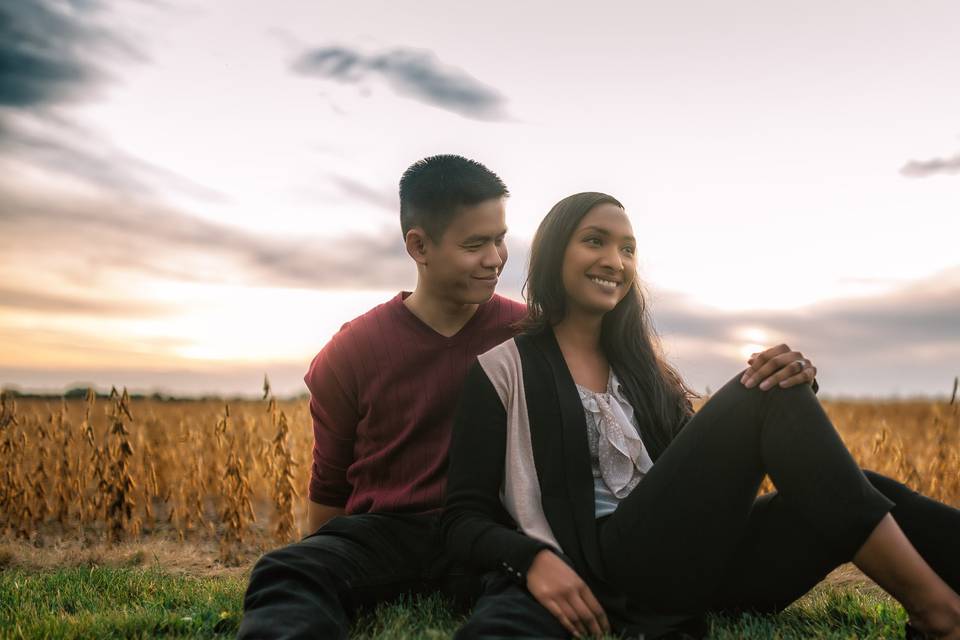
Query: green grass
point(103, 602)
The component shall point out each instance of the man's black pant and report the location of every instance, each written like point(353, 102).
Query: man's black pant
point(312, 589)
point(693, 537)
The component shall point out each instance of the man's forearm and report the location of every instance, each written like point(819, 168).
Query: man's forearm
point(318, 514)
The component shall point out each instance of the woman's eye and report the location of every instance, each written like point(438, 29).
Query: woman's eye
point(593, 241)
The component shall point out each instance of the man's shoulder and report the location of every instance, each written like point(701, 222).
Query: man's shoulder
point(356, 331)
point(503, 311)
point(509, 305)
point(368, 320)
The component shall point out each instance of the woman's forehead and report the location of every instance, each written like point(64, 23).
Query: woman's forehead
point(607, 217)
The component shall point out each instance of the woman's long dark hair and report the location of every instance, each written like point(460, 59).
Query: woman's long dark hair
point(660, 399)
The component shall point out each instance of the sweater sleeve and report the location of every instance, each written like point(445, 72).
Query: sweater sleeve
point(335, 415)
point(477, 529)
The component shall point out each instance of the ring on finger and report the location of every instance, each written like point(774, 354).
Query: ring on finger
point(802, 363)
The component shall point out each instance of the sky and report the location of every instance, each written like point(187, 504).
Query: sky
point(194, 194)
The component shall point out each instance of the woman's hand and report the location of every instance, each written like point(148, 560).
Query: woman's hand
point(778, 365)
point(561, 591)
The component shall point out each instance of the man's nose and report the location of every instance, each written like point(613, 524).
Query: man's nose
point(492, 257)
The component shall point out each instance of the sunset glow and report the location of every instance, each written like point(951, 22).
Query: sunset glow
point(211, 196)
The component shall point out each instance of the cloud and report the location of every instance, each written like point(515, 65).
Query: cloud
point(45, 52)
point(37, 54)
point(88, 237)
point(52, 54)
point(70, 150)
point(906, 340)
point(415, 73)
point(33, 300)
point(925, 168)
point(382, 198)
point(922, 311)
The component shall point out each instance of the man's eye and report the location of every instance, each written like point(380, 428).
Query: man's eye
point(630, 250)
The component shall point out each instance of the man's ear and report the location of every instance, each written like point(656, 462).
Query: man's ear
point(417, 245)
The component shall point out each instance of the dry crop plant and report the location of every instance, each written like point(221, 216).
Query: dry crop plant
point(178, 514)
point(96, 470)
point(943, 470)
point(67, 485)
point(151, 486)
point(12, 492)
point(40, 479)
point(282, 468)
point(915, 442)
point(237, 509)
point(168, 473)
point(121, 518)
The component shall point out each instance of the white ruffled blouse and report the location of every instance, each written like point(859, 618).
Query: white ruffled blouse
point(618, 456)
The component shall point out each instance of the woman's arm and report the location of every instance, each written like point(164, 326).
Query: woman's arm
point(479, 532)
point(477, 529)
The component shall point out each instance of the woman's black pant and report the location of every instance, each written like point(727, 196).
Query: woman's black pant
point(694, 537)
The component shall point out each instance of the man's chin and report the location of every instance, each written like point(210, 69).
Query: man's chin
point(477, 297)
point(481, 298)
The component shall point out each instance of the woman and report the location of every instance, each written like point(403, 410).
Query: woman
point(579, 473)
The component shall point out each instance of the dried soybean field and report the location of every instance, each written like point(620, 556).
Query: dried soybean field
point(231, 476)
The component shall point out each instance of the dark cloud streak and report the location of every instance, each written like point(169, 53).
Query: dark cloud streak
point(411, 72)
point(926, 168)
point(921, 313)
point(32, 300)
point(387, 199)
point(906, 340)
point(65, 148)
point(127, 233)
point(52, 55)
point(38, 57)
point(45, 52)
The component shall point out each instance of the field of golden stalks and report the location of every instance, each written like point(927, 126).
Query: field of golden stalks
point(235, 474)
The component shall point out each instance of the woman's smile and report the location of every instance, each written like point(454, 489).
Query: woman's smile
point(605, 284)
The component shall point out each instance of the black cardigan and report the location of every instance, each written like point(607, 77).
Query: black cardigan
point(478, 531)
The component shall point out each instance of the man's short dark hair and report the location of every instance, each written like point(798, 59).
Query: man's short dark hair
point(432, 191)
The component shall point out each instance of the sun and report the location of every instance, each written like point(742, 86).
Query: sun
point(749, 349)
point(756, 339)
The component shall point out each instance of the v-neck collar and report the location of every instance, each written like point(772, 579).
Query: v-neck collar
point(427, 329)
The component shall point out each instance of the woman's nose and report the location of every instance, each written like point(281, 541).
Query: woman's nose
point(612, 258)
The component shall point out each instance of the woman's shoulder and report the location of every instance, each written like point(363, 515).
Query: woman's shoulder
point(505, 352)
point(502, 364)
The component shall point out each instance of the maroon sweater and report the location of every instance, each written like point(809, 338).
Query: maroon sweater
point(382, 395)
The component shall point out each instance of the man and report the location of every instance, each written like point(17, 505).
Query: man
point(383, 394)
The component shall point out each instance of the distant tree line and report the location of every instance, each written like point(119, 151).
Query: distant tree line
point(79, 393)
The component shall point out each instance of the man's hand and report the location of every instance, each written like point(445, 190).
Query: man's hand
point(778, 365)
point(561, 591)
